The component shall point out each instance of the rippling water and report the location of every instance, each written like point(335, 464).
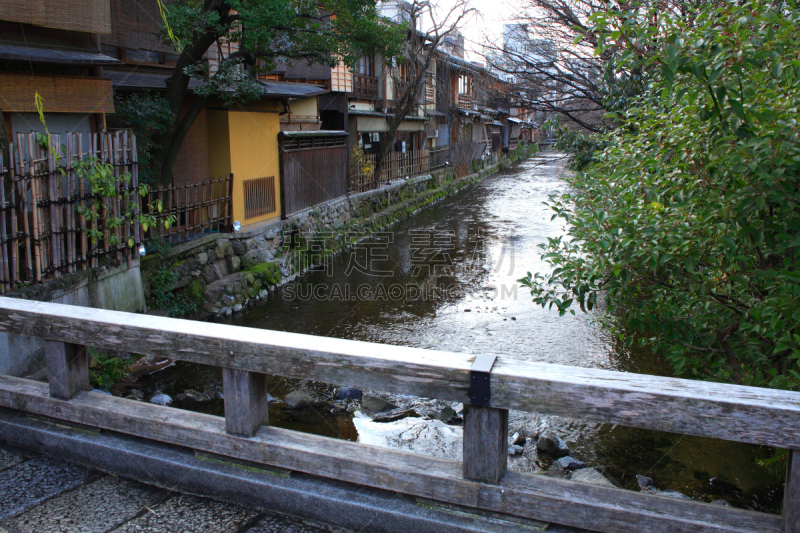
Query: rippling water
point(476, 245)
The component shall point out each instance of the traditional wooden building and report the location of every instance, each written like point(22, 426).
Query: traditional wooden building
point(53, 49)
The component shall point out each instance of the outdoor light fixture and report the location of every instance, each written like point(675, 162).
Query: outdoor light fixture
point(237, 226)
point(142, 250)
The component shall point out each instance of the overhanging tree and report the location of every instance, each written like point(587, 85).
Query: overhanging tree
point(689, 223)
point(261, 33)
point(419, 50)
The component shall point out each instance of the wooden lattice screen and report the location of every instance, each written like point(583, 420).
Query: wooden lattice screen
point(61, 94)
point(90, 16)
point(259, 197)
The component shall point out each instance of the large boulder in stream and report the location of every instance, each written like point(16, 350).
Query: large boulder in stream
point(298, 400)
point(591, 476)
point(551, 444)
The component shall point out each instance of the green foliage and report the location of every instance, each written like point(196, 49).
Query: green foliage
point(163, 296)
point(270, 31)
point(108, 371)
point(689, 221)
point(148, 116)
point(580, 145)
point(104, 216)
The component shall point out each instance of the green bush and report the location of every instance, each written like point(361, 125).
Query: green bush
point(689, 220)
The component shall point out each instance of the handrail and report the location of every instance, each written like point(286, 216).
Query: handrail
point(731, 412)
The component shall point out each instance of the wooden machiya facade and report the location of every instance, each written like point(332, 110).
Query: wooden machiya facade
point(52, 49)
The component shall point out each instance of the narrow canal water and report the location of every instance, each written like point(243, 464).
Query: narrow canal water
point(446, 279)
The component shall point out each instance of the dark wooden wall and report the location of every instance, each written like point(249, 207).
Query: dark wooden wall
point(314, 170)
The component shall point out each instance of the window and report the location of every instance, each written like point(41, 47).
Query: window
point(464, 85)
point(364, 66)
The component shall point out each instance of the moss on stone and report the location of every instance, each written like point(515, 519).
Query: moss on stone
point(194, 291)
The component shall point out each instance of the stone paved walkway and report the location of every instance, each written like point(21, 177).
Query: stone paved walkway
point(41, 495)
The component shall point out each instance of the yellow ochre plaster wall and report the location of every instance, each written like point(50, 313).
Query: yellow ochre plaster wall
point(246, 144)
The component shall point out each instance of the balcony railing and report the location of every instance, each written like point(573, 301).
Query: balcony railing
point(365, 87)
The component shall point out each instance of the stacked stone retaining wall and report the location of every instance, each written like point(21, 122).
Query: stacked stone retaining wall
point(224, 274)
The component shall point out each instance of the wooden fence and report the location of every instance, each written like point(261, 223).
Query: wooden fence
point(398, 165)
point(487, 387)
point(198, 208)
point(42, 234)
point(313, 169)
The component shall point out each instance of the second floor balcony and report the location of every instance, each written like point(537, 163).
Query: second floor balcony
point(365, 87)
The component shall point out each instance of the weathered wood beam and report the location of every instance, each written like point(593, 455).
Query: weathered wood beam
point(732, 412)
point(485, 443)
point(246, 401)
point(67, 368)
point(791, 495)
point(531, 496)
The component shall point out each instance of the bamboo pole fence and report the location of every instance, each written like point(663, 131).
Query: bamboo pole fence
point(42, 234)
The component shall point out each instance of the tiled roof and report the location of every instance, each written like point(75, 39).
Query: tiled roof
point(274, 89)
point(49, 55)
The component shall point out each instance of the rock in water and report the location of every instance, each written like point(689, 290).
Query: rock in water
point(515, 449)
point(570, 463)
point(161, 399)
point(644, 481)
point(552, 445)
point(394, 414)
point(376, 405)
point(646, 484)
point(347, 393)
point(590, 476)
point(449, 416)
point(298, 400)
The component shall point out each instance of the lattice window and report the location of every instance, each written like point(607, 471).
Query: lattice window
point(259, 197)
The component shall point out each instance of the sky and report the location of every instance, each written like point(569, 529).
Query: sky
point(487, 22)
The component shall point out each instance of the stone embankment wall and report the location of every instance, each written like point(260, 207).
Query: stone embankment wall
point(118, 288)
point(223, 274)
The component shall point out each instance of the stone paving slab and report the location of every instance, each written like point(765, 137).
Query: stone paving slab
point(189, 514)
point(9, 458)
point(34, 481)
point(93, 508)
point(284, 524)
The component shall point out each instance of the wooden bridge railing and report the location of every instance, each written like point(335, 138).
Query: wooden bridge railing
point(730, 412)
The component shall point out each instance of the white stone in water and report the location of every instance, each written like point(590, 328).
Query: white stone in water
point(161, 399)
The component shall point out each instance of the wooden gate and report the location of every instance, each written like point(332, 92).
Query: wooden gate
point(314, 169)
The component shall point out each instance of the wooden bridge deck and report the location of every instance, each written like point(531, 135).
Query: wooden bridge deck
point(744, 414)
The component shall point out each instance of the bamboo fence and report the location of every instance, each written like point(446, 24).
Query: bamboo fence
point(42, 235)
point(199, 209)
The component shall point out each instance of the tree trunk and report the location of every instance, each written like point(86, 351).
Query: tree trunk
point(168, 144)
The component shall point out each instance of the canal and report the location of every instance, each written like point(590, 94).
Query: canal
point(446, 279)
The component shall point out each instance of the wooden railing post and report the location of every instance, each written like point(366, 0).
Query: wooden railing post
point(791, 494)
point(485, 444)
point(246, 401)
point(67, 368)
